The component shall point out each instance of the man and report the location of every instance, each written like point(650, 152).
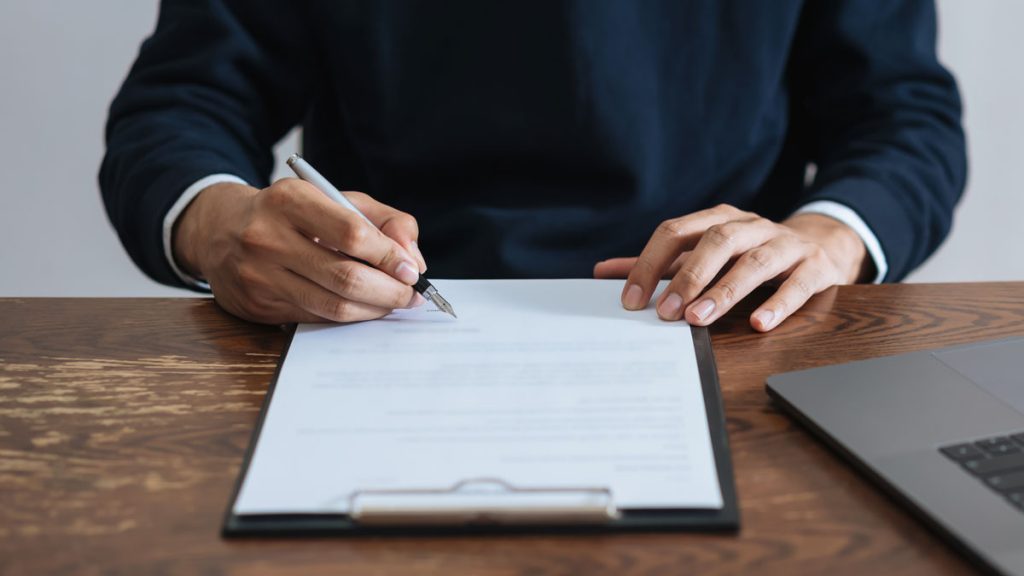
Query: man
point(535, 139)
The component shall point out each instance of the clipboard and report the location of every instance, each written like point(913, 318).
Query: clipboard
point(468, 507)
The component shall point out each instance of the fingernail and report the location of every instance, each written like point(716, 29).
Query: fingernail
point(703, 309)
point(417, 300)
point(407, 273)
point(634, 297)
point(765, 317)
point(671, 306)
point(416, 252)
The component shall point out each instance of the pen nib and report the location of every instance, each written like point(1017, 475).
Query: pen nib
point(440, 302)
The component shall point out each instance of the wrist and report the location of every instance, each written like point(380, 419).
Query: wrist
point(190, 236)
point(842, 244)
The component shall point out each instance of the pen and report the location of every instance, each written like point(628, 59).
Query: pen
point(303, 170)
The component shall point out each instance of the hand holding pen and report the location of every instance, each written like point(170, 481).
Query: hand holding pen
point(289, 253)
point(422, 286)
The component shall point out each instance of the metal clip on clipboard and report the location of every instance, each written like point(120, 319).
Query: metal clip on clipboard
point(482, 501)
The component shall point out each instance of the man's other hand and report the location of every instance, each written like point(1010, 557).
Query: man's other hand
point(716, 257)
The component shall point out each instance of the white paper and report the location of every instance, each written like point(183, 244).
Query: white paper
point(540, 383)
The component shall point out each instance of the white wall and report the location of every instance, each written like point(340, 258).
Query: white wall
point(62, 60)
point(981, 41)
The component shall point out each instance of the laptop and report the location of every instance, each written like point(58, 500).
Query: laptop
point(941, 430)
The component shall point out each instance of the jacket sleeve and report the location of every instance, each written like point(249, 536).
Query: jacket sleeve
point(880, 118)
point(215, 86)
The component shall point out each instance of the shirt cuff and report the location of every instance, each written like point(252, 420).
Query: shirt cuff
point(175, 212)
point(848, 216)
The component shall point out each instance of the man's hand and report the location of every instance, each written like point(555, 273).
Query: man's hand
point(808, 253)
point(289, 254)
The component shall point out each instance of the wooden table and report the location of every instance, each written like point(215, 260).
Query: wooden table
point(123, 423)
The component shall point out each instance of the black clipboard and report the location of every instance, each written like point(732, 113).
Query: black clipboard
point(588, 519)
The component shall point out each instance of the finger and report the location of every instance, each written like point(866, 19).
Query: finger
point(806, 280)
point(346, 277)
point(287, 313)
point(615, 268)
point(323, 303)
point(262, 310)
point(671, 238)
point(397, 225)
point(276, 313)
point(755, 267)
point(316, 216)
point(719, 244)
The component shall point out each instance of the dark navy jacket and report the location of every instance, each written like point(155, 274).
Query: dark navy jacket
point(534, 138)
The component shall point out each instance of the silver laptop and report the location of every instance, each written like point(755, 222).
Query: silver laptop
point(942, 430)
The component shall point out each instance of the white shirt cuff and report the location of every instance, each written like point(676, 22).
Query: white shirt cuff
point(175, 212)
point(848, 216)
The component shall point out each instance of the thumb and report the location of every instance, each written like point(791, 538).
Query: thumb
point(395, 224)
point(619, 268)
point(614, 268)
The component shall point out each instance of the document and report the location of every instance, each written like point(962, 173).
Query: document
point(538, 383)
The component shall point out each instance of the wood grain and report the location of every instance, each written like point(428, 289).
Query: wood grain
point(123, 423)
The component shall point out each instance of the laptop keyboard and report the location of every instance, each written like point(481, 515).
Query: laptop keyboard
point(996, 461)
